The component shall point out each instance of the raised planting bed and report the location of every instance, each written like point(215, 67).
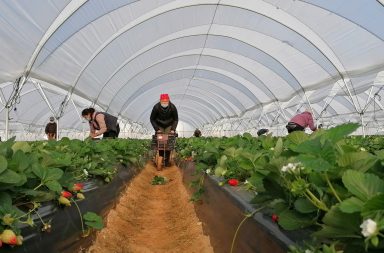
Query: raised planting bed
point(66, 232)
point(223, 208)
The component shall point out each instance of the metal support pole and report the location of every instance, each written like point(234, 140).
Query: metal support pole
point(6, 123)
point(57, 129)
point(362, 124)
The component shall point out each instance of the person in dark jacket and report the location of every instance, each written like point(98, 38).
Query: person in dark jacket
point(197, 133)
point(101, 123)
point(164, 117)
point(51, 128)
point(262, 131)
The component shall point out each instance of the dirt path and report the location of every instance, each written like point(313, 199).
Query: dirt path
point(153, 219)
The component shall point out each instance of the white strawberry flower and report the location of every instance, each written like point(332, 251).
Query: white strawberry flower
point(362, 149)
point(85, 172)
point(308, 251)
point(208, 171)
point(369, 228)
point(291, 167)
point(272, 149)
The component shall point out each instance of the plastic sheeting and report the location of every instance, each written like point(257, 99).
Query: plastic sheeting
point(229, 65)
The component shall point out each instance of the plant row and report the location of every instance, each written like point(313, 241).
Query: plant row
point(32, 173)
point(327, 184)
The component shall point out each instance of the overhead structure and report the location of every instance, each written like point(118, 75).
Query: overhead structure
point(229, 65)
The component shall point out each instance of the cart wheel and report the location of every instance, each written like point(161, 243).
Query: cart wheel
point(159, 164)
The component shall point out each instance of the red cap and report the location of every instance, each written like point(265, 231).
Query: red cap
point(164, 97)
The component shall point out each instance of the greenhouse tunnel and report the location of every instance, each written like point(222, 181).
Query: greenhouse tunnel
point(229, 178)
point(230, 66)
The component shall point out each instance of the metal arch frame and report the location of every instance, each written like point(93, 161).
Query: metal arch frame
point(209, 106)
point(56, 25)
point(187, 69)
point(71, 7)
point(40, 90)
point(235, 7)
point(343, 17)
point(151, 86)
point(204, 117)
point(276, 73)
point(125, 63)
point(212, 96)
point(371, 98)
point(185, 6)
point(202, 101)
point(245, 89)
point(270, 17)
point(215, 86)
point(2, 98)
point(192, 122)
point(141, 92)
point(200, 119)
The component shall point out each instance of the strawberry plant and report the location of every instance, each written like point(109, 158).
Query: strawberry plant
point(36, 172)
point(327, 182)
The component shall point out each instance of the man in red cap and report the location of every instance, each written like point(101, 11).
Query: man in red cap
point(164, 117)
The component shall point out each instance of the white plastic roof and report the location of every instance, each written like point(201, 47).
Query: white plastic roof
point(228, 65)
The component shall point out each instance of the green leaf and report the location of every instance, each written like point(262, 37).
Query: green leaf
point(222, 161)
point(93, 220)
point(333, 232)
point(314, 164)
point(267, 142)
point(361, 161)
point(20, 161)
point(362, 185)
point(11, 177)
point(291, 220)
point(256, 180)
point(219, 171)
point(311, 146)
point(297, 137)
point(5, 199)
point(338, 224)
point(39, 171)
point(351, 205)
point(40, 196)
point(278, 147)
point(53, 185)
point(3, 164)
point(375, 204)
point(248, 136)
point(21, 145)
point(231, 152)
point(303, 205)
point(54, 174)
point(337, 133)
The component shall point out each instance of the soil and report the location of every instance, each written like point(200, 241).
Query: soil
point(153, 218)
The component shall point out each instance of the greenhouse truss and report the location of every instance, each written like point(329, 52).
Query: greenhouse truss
point(230, 66)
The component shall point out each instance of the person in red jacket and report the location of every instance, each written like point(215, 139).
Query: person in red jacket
point(300, 122)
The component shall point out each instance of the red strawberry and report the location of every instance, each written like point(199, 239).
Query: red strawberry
point(233, 182)
point(275, 218)
point(66, 194)
point(77, 187)
point(1, 244)
point(8, 237)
